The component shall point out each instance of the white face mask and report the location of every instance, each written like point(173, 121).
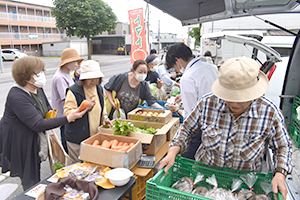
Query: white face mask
point(40, 80)
point(181, 68)
point(140, 77)
point(154, 69)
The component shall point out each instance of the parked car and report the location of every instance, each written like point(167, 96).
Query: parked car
point(12, 54)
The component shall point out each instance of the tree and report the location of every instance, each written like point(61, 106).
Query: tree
point(195, 33)
point(84, 18)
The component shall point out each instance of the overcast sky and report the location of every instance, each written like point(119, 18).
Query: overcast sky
point(167, 23)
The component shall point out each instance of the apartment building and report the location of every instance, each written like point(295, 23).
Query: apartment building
point(26, 26)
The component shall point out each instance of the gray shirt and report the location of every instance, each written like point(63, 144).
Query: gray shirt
point(128, 96)
point(60, 82)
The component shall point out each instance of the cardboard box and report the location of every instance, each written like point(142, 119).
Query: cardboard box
point(164, 118)
point(150, 143)
point(110, 157)
point(173, 126)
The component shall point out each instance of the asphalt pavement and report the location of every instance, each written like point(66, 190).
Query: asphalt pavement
point(109, 64)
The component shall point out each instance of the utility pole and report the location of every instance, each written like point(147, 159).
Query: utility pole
point(158, 36)
point(148, 32)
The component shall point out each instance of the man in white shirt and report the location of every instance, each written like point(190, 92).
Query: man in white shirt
point(197, 79)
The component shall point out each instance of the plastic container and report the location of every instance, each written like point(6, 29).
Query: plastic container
point(162, 103)
point(119, 176)
point(159, 187)
point(138, 192)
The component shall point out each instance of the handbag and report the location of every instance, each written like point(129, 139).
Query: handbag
point(56, 151)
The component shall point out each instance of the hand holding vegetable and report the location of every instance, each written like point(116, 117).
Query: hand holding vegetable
point(92, 102)
point(75, 114)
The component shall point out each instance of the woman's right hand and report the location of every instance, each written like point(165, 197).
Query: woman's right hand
point(75, 114)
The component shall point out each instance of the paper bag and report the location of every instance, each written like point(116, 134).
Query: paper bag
point(56, 151)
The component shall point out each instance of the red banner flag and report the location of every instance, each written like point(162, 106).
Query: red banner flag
point(138, 35)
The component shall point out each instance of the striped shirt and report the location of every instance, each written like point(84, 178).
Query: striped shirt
point(236, 143)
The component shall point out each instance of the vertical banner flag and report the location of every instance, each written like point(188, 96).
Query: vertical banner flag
point(138, 35)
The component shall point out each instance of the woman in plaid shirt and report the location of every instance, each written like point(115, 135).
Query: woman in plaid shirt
point(237, 124)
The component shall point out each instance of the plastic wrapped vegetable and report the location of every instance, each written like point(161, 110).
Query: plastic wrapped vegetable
point(199, 190)
point(267, 188)
point(236, 184)
point(249, 179)
point(218, 193)
point(213, 181)
point(185, 185)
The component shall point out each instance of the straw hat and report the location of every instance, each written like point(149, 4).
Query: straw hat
point(69, 55)
point(90, 69)
point(240, 80)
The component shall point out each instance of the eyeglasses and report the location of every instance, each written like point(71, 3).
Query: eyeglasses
point(38, 74)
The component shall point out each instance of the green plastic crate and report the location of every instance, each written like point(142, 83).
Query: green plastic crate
point(295, 123)
point(295, 132)
point(159, 187)
point(296, 104)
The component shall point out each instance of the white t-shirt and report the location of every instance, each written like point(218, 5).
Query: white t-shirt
point(196, 81)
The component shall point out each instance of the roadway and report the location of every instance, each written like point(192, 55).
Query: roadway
point(109, 65)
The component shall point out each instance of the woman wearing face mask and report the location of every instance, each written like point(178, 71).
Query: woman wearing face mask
point(76, 74)
point(87, 88)
point(61, 80)
point(130, 88)
point(23, 119)
point(152, 76)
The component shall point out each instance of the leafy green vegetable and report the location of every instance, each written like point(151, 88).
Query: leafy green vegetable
point(122, 128)
point(153, 87)
point(151, 131)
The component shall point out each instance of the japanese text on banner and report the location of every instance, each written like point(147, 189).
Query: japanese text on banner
point(138, 36)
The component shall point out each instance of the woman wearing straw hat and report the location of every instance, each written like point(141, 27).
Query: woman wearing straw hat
point(61, 81)
point(237, 121)
point(87, 88)
point(24, 121)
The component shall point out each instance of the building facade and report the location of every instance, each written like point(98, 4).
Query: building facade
point(26, 26)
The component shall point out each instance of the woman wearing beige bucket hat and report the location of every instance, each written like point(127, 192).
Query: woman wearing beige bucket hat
point(237, 123)
point(87, 88)
point(61, 81)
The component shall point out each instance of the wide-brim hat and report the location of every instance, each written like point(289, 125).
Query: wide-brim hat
point(69, 55)
point(240, 80)
point(90, 69)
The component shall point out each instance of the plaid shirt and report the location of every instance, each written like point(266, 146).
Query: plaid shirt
point(236, 143)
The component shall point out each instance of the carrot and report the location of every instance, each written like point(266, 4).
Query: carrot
point(125, 144)
point(126, 148)
point(117, 147)
point(131, 144)
point(110, 143)
point(114, 143)
point(84, 104)
point(120, 144)
point(96, 143)
point(105, 144)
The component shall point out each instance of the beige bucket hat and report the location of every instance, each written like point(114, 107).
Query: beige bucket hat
point(90, 69)
point(240, 80)
point(69, 55)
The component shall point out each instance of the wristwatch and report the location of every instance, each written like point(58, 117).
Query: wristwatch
point(177, 112)
point(280, 170)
